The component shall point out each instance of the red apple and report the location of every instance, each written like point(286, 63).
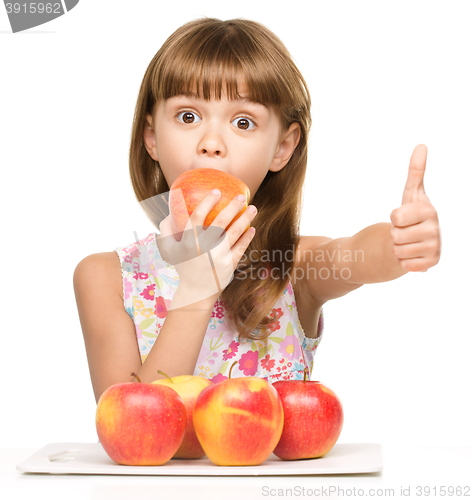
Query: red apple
point(313, 419)
point(195, 184)
point(188, 387)
point(140, 424)
point(238, 421)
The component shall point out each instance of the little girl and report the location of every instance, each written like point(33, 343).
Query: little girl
point(227, 95)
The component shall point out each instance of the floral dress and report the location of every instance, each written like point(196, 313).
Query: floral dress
point(149, 284)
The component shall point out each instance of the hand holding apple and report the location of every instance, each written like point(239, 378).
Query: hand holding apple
point(313, 419)
point(205, 259)
point(191, 187)
point(140, 424)
point(188, 387)
point(238, 421)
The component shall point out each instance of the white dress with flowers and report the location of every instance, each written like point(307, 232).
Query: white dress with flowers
point(149, 284)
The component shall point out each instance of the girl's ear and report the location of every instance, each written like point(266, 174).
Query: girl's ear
point(288, 142)
point(149, 138)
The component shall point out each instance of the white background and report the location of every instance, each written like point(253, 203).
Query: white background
point(383, 76)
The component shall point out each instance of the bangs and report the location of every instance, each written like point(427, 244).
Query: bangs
point(212, 60)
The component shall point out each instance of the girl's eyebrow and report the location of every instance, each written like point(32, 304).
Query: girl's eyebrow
point(250, 101)
point(241, 99)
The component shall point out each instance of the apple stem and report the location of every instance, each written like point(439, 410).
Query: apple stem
point(134, 375)
point(305, 371)
point(229, 374)
point(165, 375)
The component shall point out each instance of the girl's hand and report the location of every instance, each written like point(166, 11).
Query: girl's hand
point(415, 225)
point(205, 259)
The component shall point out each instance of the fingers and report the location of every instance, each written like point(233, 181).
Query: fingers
point(239, 226)
point(416, 265)
point(194, 234)
point(204, 207)
point(225, 219)
point(189, 248)
point(412, 250)
point(222, 263)
point(414, 234)
point(234, 208)
point(414, 187)
point(227, 258)
point(407, 215)
point(241, 245)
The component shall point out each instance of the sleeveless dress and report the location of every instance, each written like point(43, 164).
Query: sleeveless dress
point(149, 284)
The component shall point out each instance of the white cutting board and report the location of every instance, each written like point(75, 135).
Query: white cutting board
point(91, 458)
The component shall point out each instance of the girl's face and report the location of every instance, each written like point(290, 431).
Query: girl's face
point(240, 137)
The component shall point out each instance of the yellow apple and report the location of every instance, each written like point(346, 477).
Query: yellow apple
point(188, 387)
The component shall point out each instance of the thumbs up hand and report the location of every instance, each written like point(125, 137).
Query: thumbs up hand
point(415, 225)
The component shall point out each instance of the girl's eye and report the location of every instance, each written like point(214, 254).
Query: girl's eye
point(188, 117)
point(243, 123)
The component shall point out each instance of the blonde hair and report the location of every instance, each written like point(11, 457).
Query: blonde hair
point(207, 54)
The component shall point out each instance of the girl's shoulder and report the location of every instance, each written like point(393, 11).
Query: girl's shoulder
point(105, 265)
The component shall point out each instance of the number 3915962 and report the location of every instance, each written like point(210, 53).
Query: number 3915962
point(33, 8)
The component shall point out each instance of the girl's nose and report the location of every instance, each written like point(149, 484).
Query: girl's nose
point(212, 144)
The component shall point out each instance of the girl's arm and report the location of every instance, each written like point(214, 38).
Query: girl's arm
point(176, 348)
point(366, 257)
point(110, 335)
point(384, 251)
point(333, 268)
point(108, 331)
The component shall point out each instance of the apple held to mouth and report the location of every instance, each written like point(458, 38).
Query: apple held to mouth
point(140, 424)
point(188, 387)
point(238, 421)
point(313, 419)
point(194, 185)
